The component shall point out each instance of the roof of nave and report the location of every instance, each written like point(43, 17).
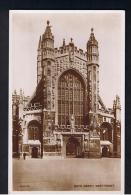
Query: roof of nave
point(37, 96)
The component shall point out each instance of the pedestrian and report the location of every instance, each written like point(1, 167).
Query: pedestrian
point(24, 155)
point(18, 156)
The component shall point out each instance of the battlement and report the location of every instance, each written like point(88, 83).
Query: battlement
point(19, 97)
point(63, 50)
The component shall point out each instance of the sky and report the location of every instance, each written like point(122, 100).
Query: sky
point(26, 28)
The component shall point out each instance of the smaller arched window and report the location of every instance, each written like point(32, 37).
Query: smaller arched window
point(48, 72)
point(89, 75)
point(48, 63)
point(33, 131)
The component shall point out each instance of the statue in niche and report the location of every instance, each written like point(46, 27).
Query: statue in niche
point(53, 104)
point(72, 122)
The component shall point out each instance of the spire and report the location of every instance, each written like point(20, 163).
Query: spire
point(118, 102)
point(92, 49)
point(21, 96)
point(63, 42)
point(20, 92)
point(48, 22)
point(71, 40)
point(48, 34)
point(47, 43)
point(71, 43)
point(92, 40)
point(92, 30)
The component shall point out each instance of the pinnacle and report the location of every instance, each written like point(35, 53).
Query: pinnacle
point(48, 22)
point(92, 29)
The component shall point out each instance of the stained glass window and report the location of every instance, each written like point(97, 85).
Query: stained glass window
point(71, 93)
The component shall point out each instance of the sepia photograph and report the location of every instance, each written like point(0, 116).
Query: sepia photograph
point(66, 101)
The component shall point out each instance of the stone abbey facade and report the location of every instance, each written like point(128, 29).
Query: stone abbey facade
point(66, 115)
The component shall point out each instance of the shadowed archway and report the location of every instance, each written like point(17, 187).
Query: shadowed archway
point(73, 148)
point(34, 132)
point(106, 131)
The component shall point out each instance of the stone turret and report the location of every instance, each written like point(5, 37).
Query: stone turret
point(39, 58)
point(48, 43)
point(48, 63)
point(92, 49)
point(93, 73)
point(45, 52)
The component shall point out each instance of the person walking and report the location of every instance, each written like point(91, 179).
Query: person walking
point(24, 155)
point(18, 156)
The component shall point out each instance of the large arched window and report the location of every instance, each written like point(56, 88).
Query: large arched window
point(33, 130)
point(71, 96)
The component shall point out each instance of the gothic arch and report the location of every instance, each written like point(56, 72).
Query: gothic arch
point(76, 71)
point(34, 131)
point(106, 131)
point(71, 97)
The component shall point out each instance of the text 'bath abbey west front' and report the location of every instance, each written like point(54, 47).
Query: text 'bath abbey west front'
point(66, 115)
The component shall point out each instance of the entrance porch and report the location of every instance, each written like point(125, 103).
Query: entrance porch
point(32, 148)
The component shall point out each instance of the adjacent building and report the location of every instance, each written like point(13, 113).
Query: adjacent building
point(19, 102)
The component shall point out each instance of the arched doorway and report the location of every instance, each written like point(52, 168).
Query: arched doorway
point(34, 153)
point(71, 98)
point(105, 152)
point(34, 138)
point(73, 148)
point(106, 131)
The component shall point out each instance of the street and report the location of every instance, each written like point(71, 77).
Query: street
point(66, 174)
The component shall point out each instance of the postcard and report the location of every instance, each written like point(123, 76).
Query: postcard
point(66, 86)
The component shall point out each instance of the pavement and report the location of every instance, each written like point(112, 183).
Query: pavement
point(58, 174)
